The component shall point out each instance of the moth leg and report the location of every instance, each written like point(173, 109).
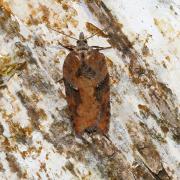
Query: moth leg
point(70, 48)
point(59, 80)
point(100, 48)
point(4, 84)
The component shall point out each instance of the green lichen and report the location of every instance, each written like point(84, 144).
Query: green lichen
point(8, 67)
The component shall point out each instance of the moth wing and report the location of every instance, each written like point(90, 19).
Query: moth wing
point(97, 62)
point(72, 97)
point(71, 64)
point(103, 96)
point(70, 68)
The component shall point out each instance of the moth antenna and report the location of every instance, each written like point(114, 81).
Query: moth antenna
point(96, 33)
point(62, 33)
point(91, 36)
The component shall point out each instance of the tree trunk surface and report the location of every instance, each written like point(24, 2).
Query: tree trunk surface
point(37, 139)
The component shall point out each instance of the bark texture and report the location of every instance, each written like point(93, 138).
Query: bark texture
point(37, 139)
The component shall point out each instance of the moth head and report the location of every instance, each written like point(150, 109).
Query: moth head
point(81, 36)
point(82, 42)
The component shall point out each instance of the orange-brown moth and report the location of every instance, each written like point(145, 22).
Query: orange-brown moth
point(87, 88)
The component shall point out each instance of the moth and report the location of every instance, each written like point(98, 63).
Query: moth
point(86, 80)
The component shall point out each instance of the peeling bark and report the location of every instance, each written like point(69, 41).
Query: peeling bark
point(37, 139)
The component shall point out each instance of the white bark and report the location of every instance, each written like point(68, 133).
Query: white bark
point(36, 134)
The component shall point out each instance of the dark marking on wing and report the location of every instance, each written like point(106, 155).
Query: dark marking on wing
point(73, 97)
point(86, 71)
point(102, 87)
